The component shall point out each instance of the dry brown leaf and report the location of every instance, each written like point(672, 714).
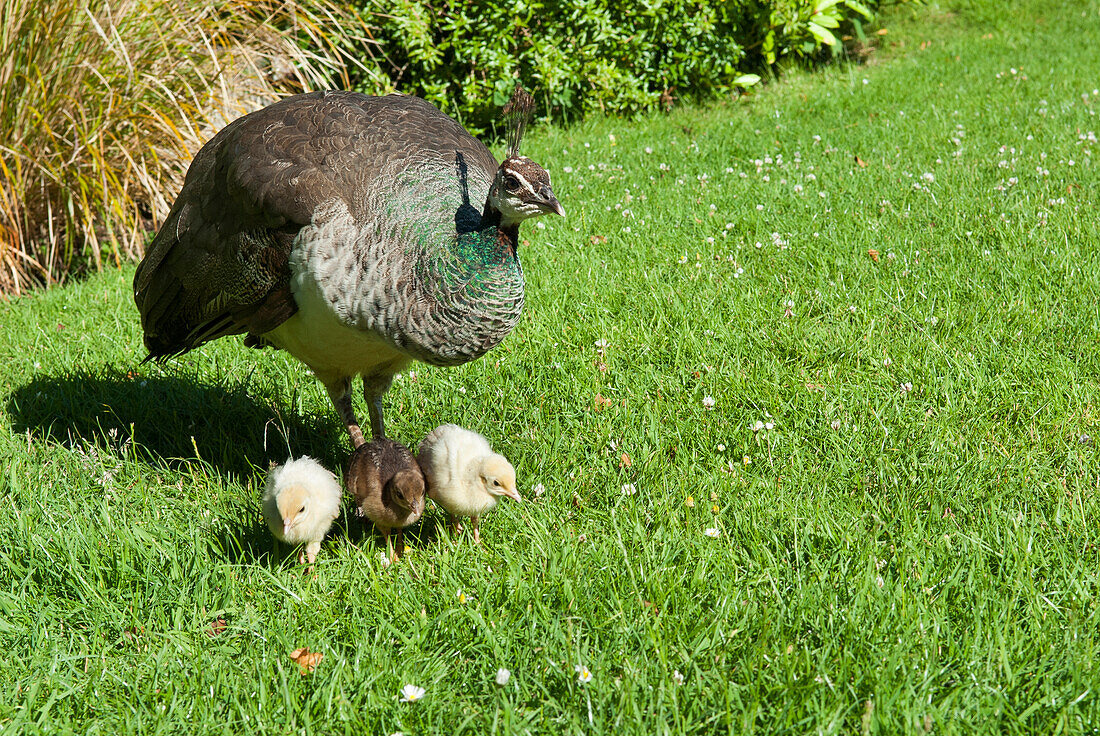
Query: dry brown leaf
point(601, 402)
point(625, 461)
point(597, 239)
point(881, 32)
point(306, 659)
point(216, 627)
point(873, 253)
point(861, 162)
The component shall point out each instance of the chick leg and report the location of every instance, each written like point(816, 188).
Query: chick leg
point(373, 389)
point(339, 391)
point(477, 536)
point(309, 554)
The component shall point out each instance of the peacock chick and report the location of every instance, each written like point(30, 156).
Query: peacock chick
point(463, 473)
point(300, 502)
point(388, 486)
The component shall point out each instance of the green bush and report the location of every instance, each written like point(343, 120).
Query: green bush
point(578, 56)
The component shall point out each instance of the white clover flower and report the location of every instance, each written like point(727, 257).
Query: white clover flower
point(759, 425)
point(411, 693)
point(711, 532)
point(677, 677)
point(708, 402)
point(538, 490)
point(835, 424)
point(906, 387)
point(928, 177)
point(721, 447)
point(383, 559)
point(769, 425)
point(503, 676)
point(629, 489)
point(583, 674)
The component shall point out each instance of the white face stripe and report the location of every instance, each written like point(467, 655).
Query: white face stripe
point(523, 181)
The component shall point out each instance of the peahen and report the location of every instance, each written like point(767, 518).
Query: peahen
point(345, 229)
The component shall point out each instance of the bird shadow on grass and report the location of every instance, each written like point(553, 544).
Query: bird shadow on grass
point(171, 422)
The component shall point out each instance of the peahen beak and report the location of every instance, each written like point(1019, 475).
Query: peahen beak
point(550, 203)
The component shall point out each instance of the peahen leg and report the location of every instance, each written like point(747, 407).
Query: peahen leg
point(340, 393)
point(373, 389)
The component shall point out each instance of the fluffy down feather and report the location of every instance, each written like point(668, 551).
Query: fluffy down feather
point(300, 502)
point(463, 473)
point(387, 486)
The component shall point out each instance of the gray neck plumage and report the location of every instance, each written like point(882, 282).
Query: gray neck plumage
point(473, 294)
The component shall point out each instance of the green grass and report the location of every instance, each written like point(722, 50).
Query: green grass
point(930, 563)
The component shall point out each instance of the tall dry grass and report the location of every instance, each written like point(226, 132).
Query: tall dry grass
point(103, 103)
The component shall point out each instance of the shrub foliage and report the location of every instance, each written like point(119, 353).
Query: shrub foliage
point(579, 56)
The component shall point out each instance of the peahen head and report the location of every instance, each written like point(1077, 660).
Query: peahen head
point(521, 189)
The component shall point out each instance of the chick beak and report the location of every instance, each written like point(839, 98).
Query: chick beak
point(549, 202)
point(513, 494)
point(287, 523)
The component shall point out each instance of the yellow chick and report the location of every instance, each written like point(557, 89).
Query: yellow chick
point(300, 502)
point(463, 474)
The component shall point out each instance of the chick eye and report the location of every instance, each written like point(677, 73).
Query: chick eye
point(511, 183)
point(496, 483)
point(302, 510)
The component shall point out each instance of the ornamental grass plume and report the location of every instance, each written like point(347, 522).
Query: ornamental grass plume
point(103, 105)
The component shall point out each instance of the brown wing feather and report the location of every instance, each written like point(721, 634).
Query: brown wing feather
point(219, 265)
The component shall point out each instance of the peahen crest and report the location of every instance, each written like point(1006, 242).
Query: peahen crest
point(517, 114)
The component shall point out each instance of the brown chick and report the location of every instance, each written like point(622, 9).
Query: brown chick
point(388, 487)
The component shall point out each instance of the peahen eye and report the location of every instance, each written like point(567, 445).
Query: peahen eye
point(511, 183)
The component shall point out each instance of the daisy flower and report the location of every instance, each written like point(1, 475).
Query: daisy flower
point(411, 693)
point(711, 532)
point(583, 674)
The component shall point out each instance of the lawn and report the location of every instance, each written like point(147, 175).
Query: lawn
point(847, 324)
